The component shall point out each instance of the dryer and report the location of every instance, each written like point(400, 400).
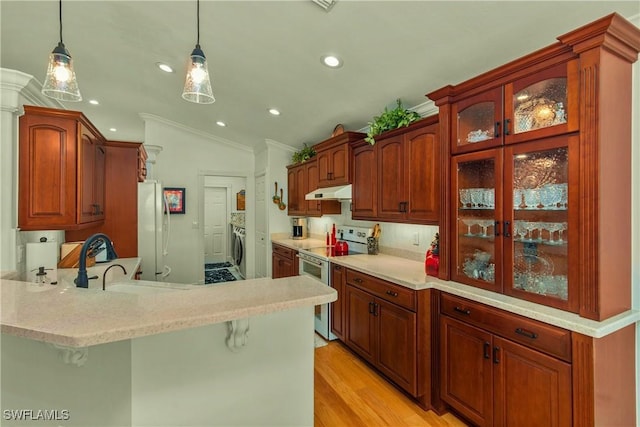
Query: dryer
point(239, 256)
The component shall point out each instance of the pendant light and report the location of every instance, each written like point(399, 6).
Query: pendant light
point(197, 86)
point(60, 82)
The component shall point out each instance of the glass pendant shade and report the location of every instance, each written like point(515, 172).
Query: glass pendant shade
point(197, 85)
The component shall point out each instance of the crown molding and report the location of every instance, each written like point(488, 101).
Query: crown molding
point(279, 145)
point(16, 84)
point(206, 135)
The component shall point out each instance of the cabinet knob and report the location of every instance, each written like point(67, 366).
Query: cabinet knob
point(392, 293)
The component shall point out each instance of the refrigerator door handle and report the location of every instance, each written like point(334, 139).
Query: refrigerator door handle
point(165, 248)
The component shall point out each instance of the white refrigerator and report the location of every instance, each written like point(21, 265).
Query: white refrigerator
point(154, 227)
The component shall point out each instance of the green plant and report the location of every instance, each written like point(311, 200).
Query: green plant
point(389, 120)
point(303, 155)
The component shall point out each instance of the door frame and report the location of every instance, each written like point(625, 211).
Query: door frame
point(249, 213)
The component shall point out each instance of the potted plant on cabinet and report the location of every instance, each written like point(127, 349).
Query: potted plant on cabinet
point(389, 120)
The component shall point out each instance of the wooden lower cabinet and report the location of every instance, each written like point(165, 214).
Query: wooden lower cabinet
point(283, 262)
point(384, 334)
point(493, 381)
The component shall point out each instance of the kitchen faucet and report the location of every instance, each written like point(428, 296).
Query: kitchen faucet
point(104, 275)
point(82, 281)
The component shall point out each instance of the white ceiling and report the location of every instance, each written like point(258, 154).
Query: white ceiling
point(265, 54)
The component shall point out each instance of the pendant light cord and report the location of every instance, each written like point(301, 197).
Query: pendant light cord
point(198, 21)
point(60, 19)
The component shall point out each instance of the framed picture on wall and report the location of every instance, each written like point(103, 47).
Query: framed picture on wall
point(175, 199)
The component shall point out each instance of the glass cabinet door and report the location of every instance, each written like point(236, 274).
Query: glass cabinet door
point(477, 122)
point(476, 187)
point(541, 105)
point(537, 201)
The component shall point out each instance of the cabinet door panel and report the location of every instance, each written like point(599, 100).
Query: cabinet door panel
point(360, 324)
point(365, 183)
point(47, 172)
point(340, 165)
point(421, 174)
point(531, 389)
point(390, 183)
point(476, 122)
point(87, 185)
point(313, 206)
point(466, 370)
point(477, 227)
point(540, 201)
point(324, 168)
point(397, 344)
point(99, 182)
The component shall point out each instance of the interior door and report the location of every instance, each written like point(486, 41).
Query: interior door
point(215, 224)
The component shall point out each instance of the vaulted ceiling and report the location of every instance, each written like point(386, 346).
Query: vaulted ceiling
point(265, 54)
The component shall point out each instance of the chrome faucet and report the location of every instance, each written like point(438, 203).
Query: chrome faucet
point(104, 275)
point(82, 281)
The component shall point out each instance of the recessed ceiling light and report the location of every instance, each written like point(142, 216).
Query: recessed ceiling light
point(221, 124)
point(94, 101)
point(113, 129)
point(164, 67)
point(332, 61)
point(274, 111)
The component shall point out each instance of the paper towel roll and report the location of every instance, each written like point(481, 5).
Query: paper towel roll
point(42, 254)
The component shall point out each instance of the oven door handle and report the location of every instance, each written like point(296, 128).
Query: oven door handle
point(305, 259)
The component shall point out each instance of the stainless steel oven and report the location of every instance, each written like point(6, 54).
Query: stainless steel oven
point(318, 268)
point(315, 263)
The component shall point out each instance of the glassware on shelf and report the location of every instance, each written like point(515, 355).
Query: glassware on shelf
point(489, 198)
point(531, 198)
point(469, 223)
point(476, 197)
point(465, 197)
point(518, 198)
point(479, 267)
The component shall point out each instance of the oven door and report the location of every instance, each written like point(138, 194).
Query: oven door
point(318, 269)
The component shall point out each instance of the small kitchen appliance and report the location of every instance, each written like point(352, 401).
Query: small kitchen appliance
point(299, 229)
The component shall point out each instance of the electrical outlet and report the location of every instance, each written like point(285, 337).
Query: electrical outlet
point(416, 239)
point(20, 253)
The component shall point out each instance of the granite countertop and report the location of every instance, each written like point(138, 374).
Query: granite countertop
point(65, 315)
point(411, 274)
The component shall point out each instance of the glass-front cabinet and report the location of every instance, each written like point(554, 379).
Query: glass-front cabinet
point(536, 106)
point(515, 226)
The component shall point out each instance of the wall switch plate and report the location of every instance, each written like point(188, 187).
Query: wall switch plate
point(20, 253)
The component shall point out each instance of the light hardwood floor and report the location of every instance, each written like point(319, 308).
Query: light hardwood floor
point(350, 393)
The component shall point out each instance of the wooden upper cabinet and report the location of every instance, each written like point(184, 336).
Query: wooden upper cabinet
point(539, 105)
point(565, 139)
point(334, 159)
point(408, 173)
point(302, 179)
point(92, 174)
point(61, 170)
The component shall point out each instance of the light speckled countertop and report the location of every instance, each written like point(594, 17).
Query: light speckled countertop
point(65, 315)
point(411, 274)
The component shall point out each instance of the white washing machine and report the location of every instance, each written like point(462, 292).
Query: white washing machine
point(239, 256)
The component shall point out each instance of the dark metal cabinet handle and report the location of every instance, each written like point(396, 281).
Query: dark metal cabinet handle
point(392, 293)
point(371, 308)
point(526, 333)
point(357, 280)
point(496, 355)
point(497, 227)
point(506, 126)
point(507, 229)
point(375, 309)
point(337, 267)
point(496, 130)
point(486, 350)
point(464, 311)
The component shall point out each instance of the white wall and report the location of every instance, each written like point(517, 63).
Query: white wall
point(396, 237)
point(186, 158)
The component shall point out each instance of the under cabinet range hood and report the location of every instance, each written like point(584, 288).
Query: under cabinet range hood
point(342, 192)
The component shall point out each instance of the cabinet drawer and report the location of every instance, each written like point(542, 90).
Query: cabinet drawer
point(541, 336)
point(284, 251)
point(388, 291)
